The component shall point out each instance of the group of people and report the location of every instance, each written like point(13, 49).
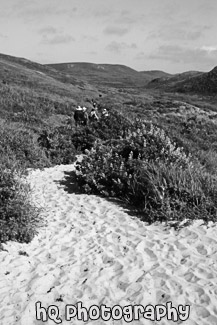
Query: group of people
point(81, 116)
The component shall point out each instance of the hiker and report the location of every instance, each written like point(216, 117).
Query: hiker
point(105, 113)
point(80, 116)
point(93, 115)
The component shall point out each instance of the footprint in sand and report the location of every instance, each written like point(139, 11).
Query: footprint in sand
point(201, 312)
point(95, 267)
point(203, 273)
point(201, 249)
point(191, 277)
point(134, 288)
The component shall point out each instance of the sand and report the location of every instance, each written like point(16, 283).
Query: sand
point(95, 252)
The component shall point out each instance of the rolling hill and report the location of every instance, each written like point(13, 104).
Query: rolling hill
point(75, 77)
point(43, 80)
point(108, 75)
point(20, 70)
point(32, 91)
point(188, 82)
point(118, 76)
point(155, 74)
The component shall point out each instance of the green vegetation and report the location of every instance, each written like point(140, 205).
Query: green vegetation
point(19, 218)
point(156, 152)
point(29, 105)
point(148, 171)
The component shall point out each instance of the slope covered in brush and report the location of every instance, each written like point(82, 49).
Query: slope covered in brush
point(188, 82)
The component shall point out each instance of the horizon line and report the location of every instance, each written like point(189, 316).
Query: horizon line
point(120, 64)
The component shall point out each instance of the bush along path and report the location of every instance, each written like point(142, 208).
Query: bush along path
point(93, 251)
point(150, 172)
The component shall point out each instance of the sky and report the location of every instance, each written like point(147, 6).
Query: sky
point(169, 35)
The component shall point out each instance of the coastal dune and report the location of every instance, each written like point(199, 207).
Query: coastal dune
point(93, 251)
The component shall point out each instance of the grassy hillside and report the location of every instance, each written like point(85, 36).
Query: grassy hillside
point(109, 75)
point(153, 74)
point(36, 89)
point(9, 63)
point(188, 82)
point(33, 100)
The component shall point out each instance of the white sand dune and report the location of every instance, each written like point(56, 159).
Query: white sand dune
point(94, 252)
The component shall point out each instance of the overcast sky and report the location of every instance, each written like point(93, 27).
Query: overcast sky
point(170, 35)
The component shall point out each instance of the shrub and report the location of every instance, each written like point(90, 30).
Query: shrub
point(19, 219)
point(114, 126)
point(83, 138)
point(150, 143)
point(150, 172)
point(58, 145)
point(62, 149)
point(21, 146)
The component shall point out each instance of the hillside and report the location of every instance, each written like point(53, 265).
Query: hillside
point(109, 75)
point(188, 82)
point(39, 83)
point(152, 74)
point(32, 92)
point(204, 83)
point(102, 74)
point(22, 71)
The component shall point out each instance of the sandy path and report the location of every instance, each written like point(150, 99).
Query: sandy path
point(94, 252)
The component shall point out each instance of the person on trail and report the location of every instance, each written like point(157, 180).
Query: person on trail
point(80, 116)
point(93, 115)
point(105, 113)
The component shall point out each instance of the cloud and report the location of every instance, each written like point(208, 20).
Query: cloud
point(179, 31)
point(126, 17)
point(48, 30)
point(31, 11)
point(35, 11)
point(209, 49)
point(102, 12)
point(52, 36)
point(40, 12)
point(57, 39)
point(117, 47)
point(178, 54)
point(89, 38)
point(115, 30)
point(119, 21)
